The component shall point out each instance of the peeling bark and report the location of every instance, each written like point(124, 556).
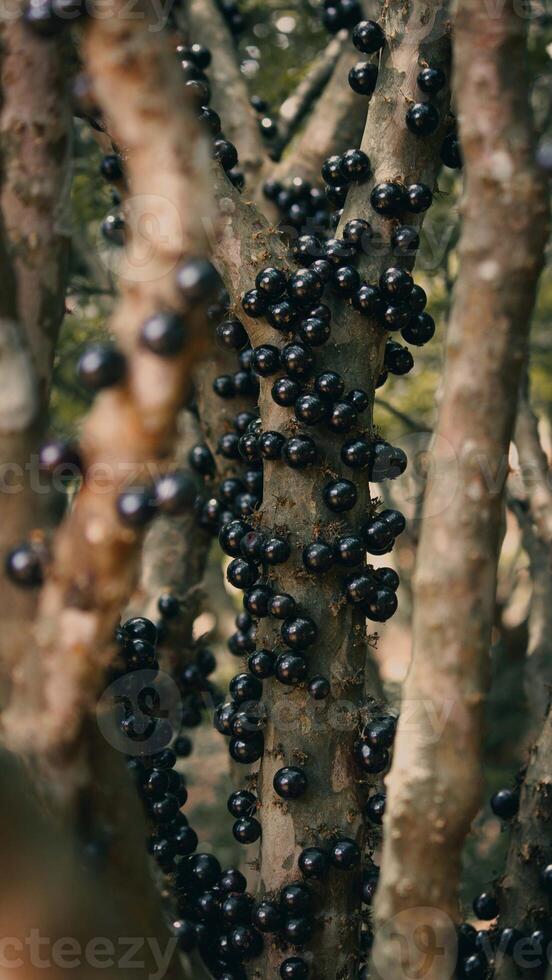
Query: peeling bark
point(434, 784)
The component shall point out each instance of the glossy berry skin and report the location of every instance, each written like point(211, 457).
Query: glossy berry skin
point(254, 303)
point(256, 601)
point(210, 119)
point(380, 732)
point(223, 717)
point(247, 942)
point(304, 286)
point(225, 152)
point(546, 879)
point(285, 392)
point(236, 908)
point(290, 669)
point(378, 536)
point(485, 906)
point(431, 80)
point(223, 386)
point(242, 803)
point(245, 687)
point(163, 334)
point(296, 899)
point(344, 854)
point(247, 830)
point(231, 334)
point(310, 409)
point(319, 688)
point(305, 249)
point(299, 452)
point(266, 917)
point(331, 171)
point(368, 301)
point(318, 557)
point(282, 315)
point(23, 566)
point(313, 863)
point(276, 551)
point(356, 453)
point(368, 37)
point(101, 366)
point(405, 240)
point(185, 934)
point(450, 152)
point(398, 360)
point(282, 606)
point(246, 751)
point(248, 446)
point(346, 280)
point(271, 282)
point(321, 311)
point(232, 880)
point(298, 633)
point(323, 269)
point(358, 399)
point(297, 361)
point(394, 519)
point(329, 385)
point(242, 574)
point(370, 758)
point(168, 606)
point(314, 332)
point(419, 198)
point(417, 299)
point(354, 165)
point(60, 458)
point(251, 545)
point(363, 77)
point(339, 252)
point(422, 119)
point(261, 664)
point(375, 808)
point(388, 199)
point(349, 551)
point(265, 360)
point(290, 782)
point(201, 460)
point(271, 444)
point(505, 803)
point(359, 588)
point(419, 329)
point(297, 931)
point(197, 280)
point(136, 508)
point(387, 577)
point(357, 231)
point(294, 968)
point(340, 495)
point(230, 536)
point(396, 284)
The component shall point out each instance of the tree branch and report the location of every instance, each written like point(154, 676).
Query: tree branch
point(434, 784)
point(133, 425)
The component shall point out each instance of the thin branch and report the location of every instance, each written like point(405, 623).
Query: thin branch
point(299, 103)
point(435, 781)
point(230, 97)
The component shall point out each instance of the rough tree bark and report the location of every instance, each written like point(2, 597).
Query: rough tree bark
point(133, 426)
point(35, 143)
point(292, 504)
point(434, 784)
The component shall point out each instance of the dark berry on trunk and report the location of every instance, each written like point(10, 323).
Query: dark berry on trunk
point(101, 366)
point(290, 669)
point(298, 633)
point(344, 854)
point(368, 37)
point(431, 80)
point(282, 606)
point(340, 495)
point(319, 688)
point(363, 77)
point(422, 118)
point(299, 452)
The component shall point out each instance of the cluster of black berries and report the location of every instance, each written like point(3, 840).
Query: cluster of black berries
point(195, 59)
point(302, 206)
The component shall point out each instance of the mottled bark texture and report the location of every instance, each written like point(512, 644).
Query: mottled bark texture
point(320, 737)
point(434, 785)
point(230, 97)
point(35, 141)
point(524, 904)
point(131, 428)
